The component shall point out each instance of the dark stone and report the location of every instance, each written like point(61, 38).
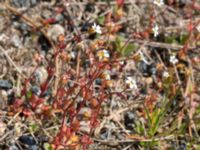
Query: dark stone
point(182, 146)
point(90, 7)
point(92, 36)
point(86, 64)
point(98, 81)
point(182, 3)
point(147, 69)
point(104, 134)
point(24, 28)
point(11, 98)
point(45, 44)
point(27, 140)
point(85, 27)
point(129, 119)
point(5, 85)
point(36, 90)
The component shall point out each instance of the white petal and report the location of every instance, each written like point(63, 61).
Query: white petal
point(198, 27)
point(106, 53)
point(173, 60)
point(155, 30)
point(166, 74)
point(158, 2)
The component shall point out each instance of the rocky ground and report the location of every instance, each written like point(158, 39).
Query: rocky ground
point(106, 74)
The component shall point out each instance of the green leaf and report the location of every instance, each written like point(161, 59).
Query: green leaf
point(171, 39)
point(139, 128)
point(47, 146)
point(183, 38)
point(29, 94)
point(33, 127)
point(119, 42)
point(155, 121)
point(148, 115)
point(124, 50)
point(128, 49)
point(101, 20)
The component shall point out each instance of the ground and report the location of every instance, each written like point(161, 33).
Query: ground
point(106, 74)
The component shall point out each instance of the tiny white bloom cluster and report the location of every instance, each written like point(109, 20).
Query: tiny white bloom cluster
point(173, 59)
point(155, 30)
point(165, 74)
point(73, 54)
point(198, 27)
point(103, 54)
point(131, 83)
point(97, 28)
point(106, 75)
point(158, 2)
point(122, 62)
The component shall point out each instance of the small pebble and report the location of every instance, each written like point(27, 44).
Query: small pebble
point(5, 85)
point(147, 69)
point(55, 31)
point(41, 75)
point(47, 14)
point(24, 28)
point(59, 18)
point(16, 41)
point(104, 134)
point(36, 90)
point(13, 147)
point(24, 3)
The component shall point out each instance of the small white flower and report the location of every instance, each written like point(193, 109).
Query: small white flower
point(97, 28)
point(173, 59)
point(166, 74)
point(158, 2)
point(131, 83)
point(155, 30)
point(198, 27)
point(106, 75)
point(103, 54)
point(73, 54)
point(122, 62)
